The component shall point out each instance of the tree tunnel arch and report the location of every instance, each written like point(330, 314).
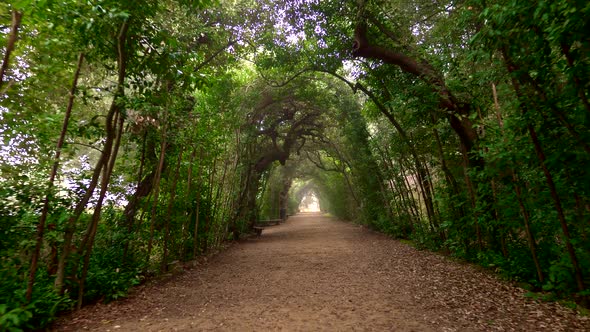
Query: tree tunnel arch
point(305, 196)
point(322, 190)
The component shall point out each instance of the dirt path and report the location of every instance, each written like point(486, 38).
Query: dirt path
point(315, 273)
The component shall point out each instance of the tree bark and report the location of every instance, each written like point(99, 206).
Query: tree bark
point(185, 222)
point(198, 204)
point(518, 191)
point(156, 186)
point(209, 201)
point(88, 241)
point(426, 187)
point(550, 183)
point(565, 49)
point(102, 162)
point(404, 205)
point(52, 176)
point(558, 207)
point(217, 206)
point(164, 264)
point(457, 112)
point(12, 37)
point(142, 189)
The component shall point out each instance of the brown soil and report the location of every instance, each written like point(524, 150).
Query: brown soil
point(314, 273)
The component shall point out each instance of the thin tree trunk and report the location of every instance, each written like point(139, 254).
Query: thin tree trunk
point(558, 207)
point(198, 204)
point(156, 186)
point(404, 191)
point(186, 220)
point(495, 213)
point(462, 127)
point(386, 200)
point(542, 95)
point(228, 205)
point(579, 84)
point(420, 171)
point(527, 228)
point(102, 162)
point(401, 204)
point(443, 163)
point(551, 184)
point(52, 176)
point(472, 200)
point(131, 207)
point(435, 207)
point(405, 205)
point(88, 242)
point(164, 264)
point(350, 187)
point(518, 190)
point(218, 191)
point(12, 37)
point(409, 192)
point(217, 201)
point(449, 177)
point(209, 200)
point(71, 223)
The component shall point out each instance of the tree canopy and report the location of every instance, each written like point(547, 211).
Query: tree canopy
point(138, 134)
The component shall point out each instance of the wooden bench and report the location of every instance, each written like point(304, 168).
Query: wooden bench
point(270, 221)
point(258, 230)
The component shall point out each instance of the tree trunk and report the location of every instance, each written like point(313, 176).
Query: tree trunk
point(403, 190)
point(143, 188)
point(472, 200)
point(88, 241)
point(411, 63)
point(102, 162)
point(52, 176)
point(459, 212)
point(565, 49)
point(527, 228)
point(425, 187)
point(12, 37)
point(198, 204)
point(404, 203)
point(383, 188)
point(229, 202)
point(71, 223)
point(407, 188)
point(426, 191)
point(518, 191)
point(451, 181)
point(185, 222)
point(164, 264)
point(558, 207)
point(156, 186)
point(209, 201)
point(550, 183)
point(217, 203)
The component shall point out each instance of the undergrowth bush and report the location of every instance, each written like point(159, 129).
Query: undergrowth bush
point(15, 313)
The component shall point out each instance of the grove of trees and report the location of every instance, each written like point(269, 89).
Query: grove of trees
point(137, 135)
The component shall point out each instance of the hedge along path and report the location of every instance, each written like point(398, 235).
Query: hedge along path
point(317, 273)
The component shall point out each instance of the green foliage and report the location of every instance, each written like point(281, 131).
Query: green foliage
point(15, 313)
point(108, 282)
point(225, 92)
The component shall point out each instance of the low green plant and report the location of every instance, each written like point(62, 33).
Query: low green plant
point(107, 279)
point(16, 314)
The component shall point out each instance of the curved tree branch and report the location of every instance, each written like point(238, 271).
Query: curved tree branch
point(12, 37)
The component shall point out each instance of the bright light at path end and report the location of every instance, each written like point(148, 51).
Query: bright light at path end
point(309, 203)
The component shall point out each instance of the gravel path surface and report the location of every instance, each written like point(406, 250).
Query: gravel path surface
point(314, 273)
